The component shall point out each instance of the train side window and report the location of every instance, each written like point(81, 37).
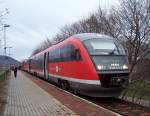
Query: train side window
point(51, 56)
point(57, 55)
point(49, 60)
point(54, 56)
point(61, 54)
point(68, 52)
point(40, 61)
point(72, 53)
point(65, 53)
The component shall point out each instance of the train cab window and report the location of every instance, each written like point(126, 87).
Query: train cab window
point(103, 46)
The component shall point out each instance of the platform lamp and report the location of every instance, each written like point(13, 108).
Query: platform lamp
point(9, 50)
point(5, 26)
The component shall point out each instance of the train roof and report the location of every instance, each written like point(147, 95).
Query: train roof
point(81, 37)
point(86, 36)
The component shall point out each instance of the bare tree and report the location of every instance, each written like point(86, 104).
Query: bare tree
point(134, 25)
point(130, 23)
point(90, 25)
point(42, 46)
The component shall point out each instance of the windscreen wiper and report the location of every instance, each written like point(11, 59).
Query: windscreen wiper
point(112, 52)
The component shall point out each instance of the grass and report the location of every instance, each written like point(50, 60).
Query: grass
point(3, 90)
point(139, 89)
point(3, 74)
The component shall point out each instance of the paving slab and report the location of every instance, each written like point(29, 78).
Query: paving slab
point(25, 98)
point(78, 105)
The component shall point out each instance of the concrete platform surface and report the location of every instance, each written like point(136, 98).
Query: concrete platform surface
point(27, 99)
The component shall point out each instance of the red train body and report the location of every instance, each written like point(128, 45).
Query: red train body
point(73, 65)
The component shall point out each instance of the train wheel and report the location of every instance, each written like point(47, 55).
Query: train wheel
point(65, 85)
point(59, 83)
point(75, 92)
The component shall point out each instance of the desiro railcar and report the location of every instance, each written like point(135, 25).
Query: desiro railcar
point(89, 63)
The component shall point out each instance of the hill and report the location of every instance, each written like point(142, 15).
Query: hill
point(7, 61)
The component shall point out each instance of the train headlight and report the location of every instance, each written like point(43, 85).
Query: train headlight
point(100, 67)
point(125, 67)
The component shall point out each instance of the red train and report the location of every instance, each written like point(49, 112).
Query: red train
point(90, 64)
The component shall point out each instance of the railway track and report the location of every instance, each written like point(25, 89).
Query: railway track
point(120, 106)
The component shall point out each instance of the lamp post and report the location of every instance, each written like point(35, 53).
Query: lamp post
point(5, 26)
point(0, 43)
point(9, 51)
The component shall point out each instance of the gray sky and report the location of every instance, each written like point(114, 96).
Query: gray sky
point(31, 21)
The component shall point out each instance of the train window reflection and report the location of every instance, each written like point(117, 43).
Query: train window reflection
point(96, 45)
point(65, 53)
point(103, 47)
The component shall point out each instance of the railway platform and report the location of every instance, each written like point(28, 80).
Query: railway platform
point(27, 99)
point(31, 96)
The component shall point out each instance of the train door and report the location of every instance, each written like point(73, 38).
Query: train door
point(46, 65)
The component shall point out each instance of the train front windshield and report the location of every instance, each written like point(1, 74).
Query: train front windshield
point(103, 47)
point(107, 54)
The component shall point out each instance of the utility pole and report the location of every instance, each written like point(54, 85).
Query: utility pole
point(2, 14)
point(5, 26)
point(9, 51)
point(0, 43)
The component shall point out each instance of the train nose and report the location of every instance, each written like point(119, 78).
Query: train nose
point(117, 81)
point(114, 80)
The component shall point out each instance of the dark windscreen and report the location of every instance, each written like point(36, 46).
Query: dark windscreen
point(103, 47)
